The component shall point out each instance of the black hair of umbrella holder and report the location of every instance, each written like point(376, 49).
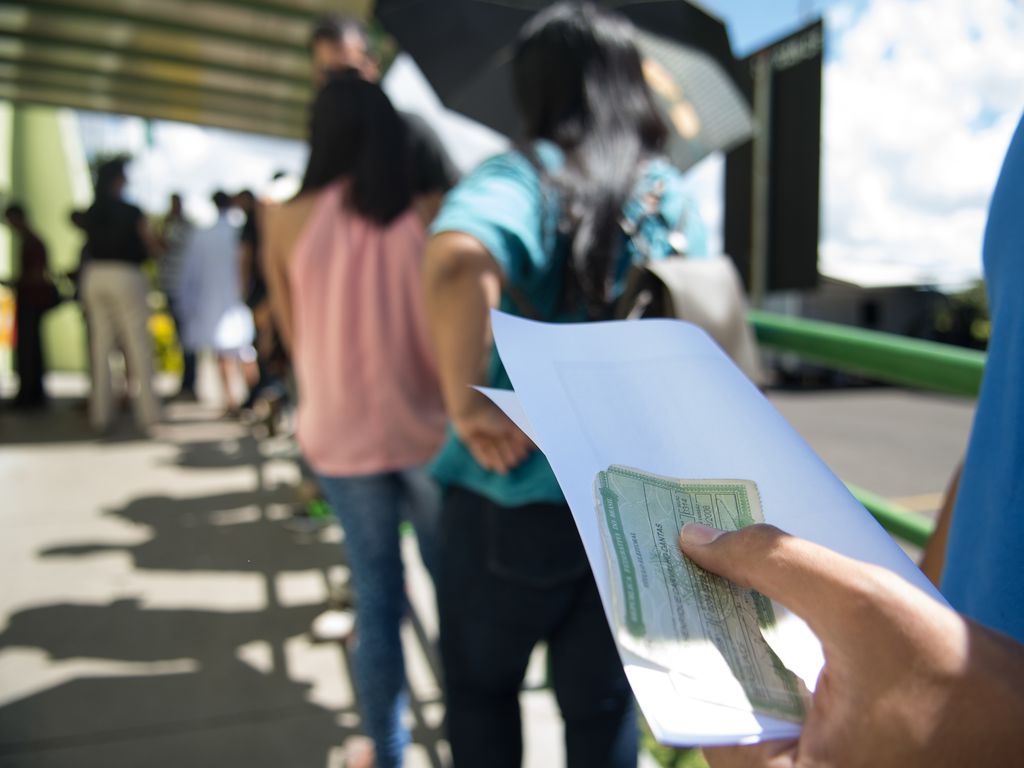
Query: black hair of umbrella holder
point(465, 47)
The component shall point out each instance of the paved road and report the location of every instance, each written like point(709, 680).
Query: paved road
point(900, 444)
point(155, 607)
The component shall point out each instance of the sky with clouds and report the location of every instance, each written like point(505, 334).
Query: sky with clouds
point(920, 100)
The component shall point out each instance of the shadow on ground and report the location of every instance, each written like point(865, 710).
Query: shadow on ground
point(198, 701)
point(222, 711)
point(219, 454)
point(226, 532)
point(62, 420)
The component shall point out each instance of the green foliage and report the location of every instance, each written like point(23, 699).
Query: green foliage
point(669, 757)
point(962, 318)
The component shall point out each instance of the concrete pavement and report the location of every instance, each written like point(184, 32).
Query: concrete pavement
point(155, 607)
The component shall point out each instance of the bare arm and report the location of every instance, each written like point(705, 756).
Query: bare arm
point(462, 283)
point(275, 271)
point(934, 559)
point(245, 266)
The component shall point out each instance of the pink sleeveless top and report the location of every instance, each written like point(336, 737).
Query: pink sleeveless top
point(369, 399)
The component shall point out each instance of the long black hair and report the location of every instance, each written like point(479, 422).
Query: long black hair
point(355, 134)
point(579, 83)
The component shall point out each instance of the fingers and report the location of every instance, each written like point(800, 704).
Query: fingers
point(767, 754)
point(508, 448)
point(484, 451)
point(812, 581)
point(499, 453)
point(494, 441)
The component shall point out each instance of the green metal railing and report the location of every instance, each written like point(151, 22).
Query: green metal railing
point(885, 357)
point(898, 520)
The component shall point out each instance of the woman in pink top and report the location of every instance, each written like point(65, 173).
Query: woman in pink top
point(343, 265)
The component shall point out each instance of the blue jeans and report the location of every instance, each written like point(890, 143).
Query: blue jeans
point(370, 508)
point(510, 578)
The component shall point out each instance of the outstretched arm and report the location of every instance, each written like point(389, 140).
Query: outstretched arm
point(274, 257)
point(462, 283)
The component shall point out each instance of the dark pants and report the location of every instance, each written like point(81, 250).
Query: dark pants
point(29, 356)
point(510, 578)
point(188, 373)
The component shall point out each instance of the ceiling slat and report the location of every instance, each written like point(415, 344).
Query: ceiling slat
point(239, 64)
point(306, 9)
point(57, 97)
point(202, 49)
point(132, 66)
point(173, 95)
point(189, 17)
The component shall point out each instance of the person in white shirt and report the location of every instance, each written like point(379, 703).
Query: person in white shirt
point(210, 297)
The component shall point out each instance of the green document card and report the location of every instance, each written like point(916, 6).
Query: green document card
point(671, 613)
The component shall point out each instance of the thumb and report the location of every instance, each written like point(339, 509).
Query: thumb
point(812, 581)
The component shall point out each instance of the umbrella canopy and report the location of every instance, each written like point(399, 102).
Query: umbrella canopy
point(465, 48)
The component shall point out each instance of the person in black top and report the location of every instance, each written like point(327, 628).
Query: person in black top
point(33, 295)
point(114, 296)
point(254, 287)
point(339, 48)
point(271, 361)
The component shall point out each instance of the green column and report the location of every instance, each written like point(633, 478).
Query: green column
point(6, 302)
point(49, 175)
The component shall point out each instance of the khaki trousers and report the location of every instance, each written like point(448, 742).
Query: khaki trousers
point(114, 296)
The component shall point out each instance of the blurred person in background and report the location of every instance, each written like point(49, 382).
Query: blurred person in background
point(339, 47)
point(343, 266)
point(537, 231)
point(114, 296)
point(338, 43)
point(175, 231)
point(210, 300)
point(270, 364)
point(34, 294)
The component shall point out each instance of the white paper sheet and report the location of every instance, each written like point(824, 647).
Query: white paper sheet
point(660, 395)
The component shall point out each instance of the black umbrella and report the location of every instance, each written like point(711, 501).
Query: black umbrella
point(464, 47)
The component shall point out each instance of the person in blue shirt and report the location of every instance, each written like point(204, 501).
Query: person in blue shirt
point(537, 232)
point(907, 681)
point(983, 577)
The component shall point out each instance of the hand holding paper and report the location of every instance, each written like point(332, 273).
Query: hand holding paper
point(495, 441)
point(670, 612)
point(659, 395)
point(906, 676)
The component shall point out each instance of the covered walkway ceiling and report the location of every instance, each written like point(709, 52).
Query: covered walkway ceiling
point(238, 64)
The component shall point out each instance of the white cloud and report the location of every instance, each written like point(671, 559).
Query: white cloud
point(921, 98)
point(195, 161)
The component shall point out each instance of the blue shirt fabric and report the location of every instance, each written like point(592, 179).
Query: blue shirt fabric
point(504, 205)
point(984, 575)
